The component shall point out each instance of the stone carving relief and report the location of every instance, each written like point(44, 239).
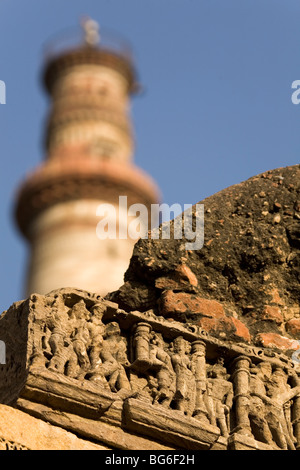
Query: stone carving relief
point(5, 444)
point(238, 393)
point(219, 396)
point(79, 345)
point(258, 399)
point(271, 405)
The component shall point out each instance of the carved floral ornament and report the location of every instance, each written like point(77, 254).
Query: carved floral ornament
point(236, 389)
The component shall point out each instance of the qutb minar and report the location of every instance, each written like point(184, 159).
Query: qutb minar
point(89, 150)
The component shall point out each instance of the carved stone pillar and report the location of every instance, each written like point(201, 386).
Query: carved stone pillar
point(240, 375)
point(141, 345)
point(199, 369)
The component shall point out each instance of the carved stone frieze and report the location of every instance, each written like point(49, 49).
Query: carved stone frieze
point(84, 355)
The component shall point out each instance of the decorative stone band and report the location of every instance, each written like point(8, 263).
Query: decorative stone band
point(137, 372)
point(88, 55)
point(63, 180)
point(67, 116)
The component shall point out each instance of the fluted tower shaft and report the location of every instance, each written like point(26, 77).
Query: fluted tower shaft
point(89, 151)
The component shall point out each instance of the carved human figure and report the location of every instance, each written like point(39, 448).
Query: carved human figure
point(219, 396)
point(259, 376)
point(40, 344)
point(161, 366)
point(114, 359)
point(78, 362)
point(96, 331)
point(279, 394)
point(185, 389)
point(59, 339)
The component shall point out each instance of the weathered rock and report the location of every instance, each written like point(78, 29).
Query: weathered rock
point(226, 327)
point(20, 431)
point(182, 278)
point(272, 340)
point(181, 304)
point(249, 263)
point(293, 327)
point(272, 313)
point(135, 296)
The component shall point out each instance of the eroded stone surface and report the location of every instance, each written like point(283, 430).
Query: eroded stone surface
point(19, 431)
point(249, 265)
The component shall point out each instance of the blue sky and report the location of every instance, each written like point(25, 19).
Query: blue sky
point(216, 107)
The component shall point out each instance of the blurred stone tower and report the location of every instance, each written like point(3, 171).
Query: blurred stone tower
point(89, 148)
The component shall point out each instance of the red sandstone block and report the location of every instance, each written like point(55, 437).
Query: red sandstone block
point(272, 313)
point(186, 303)
point(186, 274)
point(178, 279)
point(226, 328)
point(293, 327)
point(241, 330)
point(273, 340)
